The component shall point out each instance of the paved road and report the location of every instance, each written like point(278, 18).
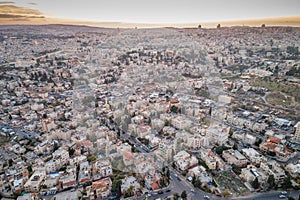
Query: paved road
point(272, 195)
point(17, 130)
point(181, 184)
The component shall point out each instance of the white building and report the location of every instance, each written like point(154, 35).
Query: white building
point(34, 183)
point(181, 122)
point(102, 168)
point(297, 132)
point(128, 182)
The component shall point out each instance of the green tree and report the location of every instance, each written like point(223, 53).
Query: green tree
point(220, 149)
point(287, 183)
point(174, 165)
point(258, 141)
point(197, 183)
point(176, 196)
point(43, 186)
point(174, 109)
point(55, 146)
point(255, 183)
point(162, 182)
point(271, 181)
point(168, 175)
point(10, 162)
point(91, 158)
point(129, 192)
point(116, 186)
point(29, 168)
point(71, 151)
point(183, 194)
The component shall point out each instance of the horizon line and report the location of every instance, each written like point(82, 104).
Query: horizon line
point(291, 21)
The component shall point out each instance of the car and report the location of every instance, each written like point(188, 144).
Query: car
point(178, 179)
point(192, 190)
point(160, 192)
point(284, 192)
point(149, 195)
point(168, 190)
point(206, 197)
point(282, 196)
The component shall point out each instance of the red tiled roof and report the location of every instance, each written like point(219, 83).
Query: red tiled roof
point(66, 184)
point(87, 143)
point(128, 155)
point(269, 145)
point(274, 140)
point(99, 184)
point(154, 186)
point(174, 101)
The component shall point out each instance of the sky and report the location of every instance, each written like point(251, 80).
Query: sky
point(151, 11)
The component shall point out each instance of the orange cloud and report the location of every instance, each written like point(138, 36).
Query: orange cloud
point(7, 2)
point(15, 14)
point(16, 10)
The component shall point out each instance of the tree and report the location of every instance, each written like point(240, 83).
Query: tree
point(258, 141)
point(287, 183)
point(219, 26)
point(162, 182)
point(71, 152)
point(183, 194)
point(199, 26)
point(226, 193)
point(196, 182)
point(10, 162)
point(116, 186)
point(129, 192)
point(29, 168)
point(168, 175)
point(91, 158)
point(220, 149)
point(176, 196)
point(255, 183)
point(174, 165)
point(271, 153)
point(174, 109)
point(271, 181)
point(55, 146)
point(167, 98)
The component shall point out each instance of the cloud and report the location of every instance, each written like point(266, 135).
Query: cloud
point(6, 2)
point(18, 16)
point(32, 3)
point(12, 13)
point(16, 10)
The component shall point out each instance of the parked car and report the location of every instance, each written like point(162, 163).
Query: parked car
point(284, 192)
